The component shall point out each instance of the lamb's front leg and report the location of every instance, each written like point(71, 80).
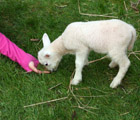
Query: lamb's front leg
point(80, 62)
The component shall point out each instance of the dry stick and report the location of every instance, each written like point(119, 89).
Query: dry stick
point(138, 3)
point(94, 89)
point(130, 54)
point(137, 57)
point(86, 105)
point(60, 6)
point(124, 90)
point(84, 109)
point(129, 91)
point(71, 77)
point(55, 86)
point(95, 15)
point(125, 6)
point(134, 53)
point(63, 98)
point(134, 7)
point(124, 113)
point(98, 90)
point(77, 100)
point(34, 39)
point(92, 96)
point(97, 59)
point(90, 107)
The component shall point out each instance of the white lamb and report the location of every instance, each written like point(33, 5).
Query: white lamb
point(111, 37)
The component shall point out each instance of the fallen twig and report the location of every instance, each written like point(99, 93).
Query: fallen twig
point(83, 108)
point(138, 3)
point(134, 53)
point(97, 59)
point(124, 113)
point(94, 89)
point(134, 6)
point(71, 77)
point(125, 6)
point(95, 15)
point(137, 57)
point(55, 86)
point(60, 6)
point(91, 96)
point(79, 103)
point(34, 39)
point(59, 99)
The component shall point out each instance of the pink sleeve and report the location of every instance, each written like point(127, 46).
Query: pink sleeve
point(16, 54)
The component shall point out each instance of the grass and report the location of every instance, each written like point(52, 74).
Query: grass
point(21, 20)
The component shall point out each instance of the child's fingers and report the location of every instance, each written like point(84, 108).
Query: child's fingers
point(45, 72)
point(36, 70)
point(39, 71)
point(32, 66)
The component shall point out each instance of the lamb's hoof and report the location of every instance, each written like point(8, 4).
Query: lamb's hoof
point(115, 83)
point(75, 82)
point(112, 65)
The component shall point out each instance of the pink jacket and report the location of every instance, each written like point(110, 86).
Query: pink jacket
point(16, 54)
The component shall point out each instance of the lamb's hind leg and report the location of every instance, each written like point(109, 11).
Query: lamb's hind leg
point(124, 63)
point(81, 57)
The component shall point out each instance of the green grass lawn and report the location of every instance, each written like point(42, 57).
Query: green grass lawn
point(22, 20)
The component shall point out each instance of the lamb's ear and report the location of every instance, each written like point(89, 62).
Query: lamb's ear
point(46, 40)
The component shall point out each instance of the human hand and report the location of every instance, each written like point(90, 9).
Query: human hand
point(32, 66)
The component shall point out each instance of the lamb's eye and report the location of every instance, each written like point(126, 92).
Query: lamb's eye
point(46, 64)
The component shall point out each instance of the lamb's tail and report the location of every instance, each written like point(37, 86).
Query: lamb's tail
point(133, 39)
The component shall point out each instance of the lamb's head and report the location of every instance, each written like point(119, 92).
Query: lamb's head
point(47, 55)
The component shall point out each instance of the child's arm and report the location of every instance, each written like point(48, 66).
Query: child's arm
point(16, 54)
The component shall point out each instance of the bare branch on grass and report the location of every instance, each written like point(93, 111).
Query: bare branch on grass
point(94, 89)
point(55, 86)
point(60, 6)
point(93, 15)
point(125, 6)
point(34, 39)
point(138, 3)
point(135, 5)
point(80, 105)
point(135, 54)
point(50, 101)
point(99, 96)
point(124, 113)
point(83, 108)
point(97, 59)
